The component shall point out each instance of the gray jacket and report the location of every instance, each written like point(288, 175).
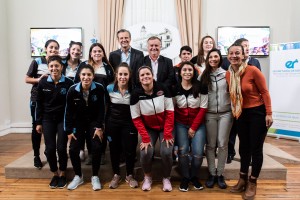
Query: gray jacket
point(218, 94)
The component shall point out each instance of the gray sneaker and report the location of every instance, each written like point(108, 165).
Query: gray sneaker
point(115, 181)
point(96, 183)
point(131, 181)
point(77, 180)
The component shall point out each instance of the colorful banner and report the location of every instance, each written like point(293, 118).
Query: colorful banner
point(285, 89)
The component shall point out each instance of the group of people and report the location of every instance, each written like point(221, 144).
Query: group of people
point(191, 108)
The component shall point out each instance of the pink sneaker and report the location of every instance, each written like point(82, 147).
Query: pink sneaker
point(167, 187)
point(147, 183)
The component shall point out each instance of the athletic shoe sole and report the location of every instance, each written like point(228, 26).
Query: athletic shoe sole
point(76, 186)
point(183, 190)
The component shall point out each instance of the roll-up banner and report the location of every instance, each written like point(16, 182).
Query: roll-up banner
point(284, 86)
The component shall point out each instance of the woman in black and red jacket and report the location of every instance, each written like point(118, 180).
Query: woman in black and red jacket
point(152, 112)
point(190, 102)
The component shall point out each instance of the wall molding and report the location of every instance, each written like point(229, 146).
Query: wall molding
point(15, 128)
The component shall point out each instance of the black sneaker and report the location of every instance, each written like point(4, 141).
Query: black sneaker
point(62, 182)
point(196, 183)
point(211, 181)
point(37, 162)
point(184, 185)
point(229, 159)
point(54, 182)
point(221, 182)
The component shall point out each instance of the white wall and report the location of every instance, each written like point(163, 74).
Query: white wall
point(279, 15)
point(4, 66)
point(16, 18)
point(39, 13)
point(295, 21)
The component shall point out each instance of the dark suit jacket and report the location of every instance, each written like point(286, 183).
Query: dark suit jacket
point(252, 61)
point(165, 71)
point(136, 61)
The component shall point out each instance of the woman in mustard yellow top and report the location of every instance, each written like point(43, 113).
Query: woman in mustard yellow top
point(251, 106)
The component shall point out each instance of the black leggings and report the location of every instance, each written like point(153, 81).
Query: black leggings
point(55, 140)
point(252, 132)
point(232, 137)
point(75, 145)
point(35, 136)
point(122, 139)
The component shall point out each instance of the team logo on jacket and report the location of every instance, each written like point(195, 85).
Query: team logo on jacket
point(160, 92)
point(63, 91)
point(94, 97)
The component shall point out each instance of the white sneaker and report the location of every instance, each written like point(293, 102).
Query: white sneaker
point(77, 180)
point(82, 155)
point(96, 183)
point(147, 183)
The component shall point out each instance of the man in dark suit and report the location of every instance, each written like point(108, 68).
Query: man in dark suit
point(133, 57)
point(162, 67)
point(225, 65)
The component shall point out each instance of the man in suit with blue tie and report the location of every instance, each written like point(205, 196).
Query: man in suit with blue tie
point(133, 57)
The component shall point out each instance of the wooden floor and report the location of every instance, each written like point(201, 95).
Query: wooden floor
point(13, 146)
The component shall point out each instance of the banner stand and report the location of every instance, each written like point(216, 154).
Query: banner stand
point(284, 87)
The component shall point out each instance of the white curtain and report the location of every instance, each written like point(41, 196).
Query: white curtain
point(110, 13)
point(140, 11)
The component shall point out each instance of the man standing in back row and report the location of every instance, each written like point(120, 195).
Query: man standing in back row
point(133, 57)
point(162, 67)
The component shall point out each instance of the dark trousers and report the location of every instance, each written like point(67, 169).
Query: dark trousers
point(122, 140)
point(86, 140)
point(35, 136)
point(232, 137)
point(104, 143)
point(55, 139)
point(252, 132)
point(75, 145)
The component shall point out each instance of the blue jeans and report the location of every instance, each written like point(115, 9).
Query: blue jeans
point(197, 148)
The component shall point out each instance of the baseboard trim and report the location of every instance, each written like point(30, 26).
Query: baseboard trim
point(14, 130)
